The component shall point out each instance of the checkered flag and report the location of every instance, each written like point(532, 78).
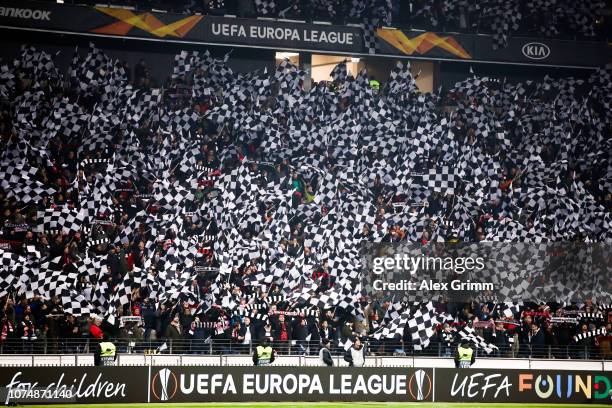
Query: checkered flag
point(101, 296)
point(11, 265)
point(49, 278)
point(393, 329)
point(468, 334)
point(37, 65)
point(67, 119)
point(18, 182)
point(421, 326)
point(185, 63)
point(464, 210)
point(217, 4)
point(401, 80)
point(7, 81)
point(28, 107)
point(92, 71)
point(358, 8)
point(65, 219)
point(441, 179)
point(171, 196)
point(182, 120)
point(74, 303)
point(121, 297)
point(265, 7)
point(142, 105)
point(339, 73)
point(327, 190)
point(506, 19)
point(509, 309)
point(370, 39)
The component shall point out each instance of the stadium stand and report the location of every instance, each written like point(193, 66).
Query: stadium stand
point(223, 208)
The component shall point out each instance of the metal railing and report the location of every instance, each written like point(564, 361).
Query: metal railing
point(225, 347)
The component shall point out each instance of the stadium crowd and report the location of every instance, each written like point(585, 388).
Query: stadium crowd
point(39, 325)
point(213, 210)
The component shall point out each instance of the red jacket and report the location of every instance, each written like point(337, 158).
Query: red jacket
point(96, 332)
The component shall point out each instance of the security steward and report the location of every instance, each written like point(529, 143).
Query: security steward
point(106, 354)
point(374, 84)
point(464, 355)
point(264, 354)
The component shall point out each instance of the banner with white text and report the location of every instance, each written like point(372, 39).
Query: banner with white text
point(285, 35)
point(62, 385)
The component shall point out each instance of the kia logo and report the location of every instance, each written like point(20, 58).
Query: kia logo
point(536, 50)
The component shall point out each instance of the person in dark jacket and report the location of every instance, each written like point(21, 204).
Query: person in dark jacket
point(174, 333)
point(501, 339)
point(165, 317)
point(8, 332)
point(266, 333)
point(537, 341)
point(70, 332)
point(112, 263)
point(282, 334)
point(315, 337)
point(139, 254)
point(122, 254)
point(300, 333)
point(142, 74)
point(28, 333)
point(150, 316)
point(198, 335)
point(326, 331)
point(247, 334)
point(524, 333)
point(584, 344)
point(446, 339)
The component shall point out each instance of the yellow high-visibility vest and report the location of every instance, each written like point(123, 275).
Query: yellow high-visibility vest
point(108, 349)
point(465, 354)
point(264, 355)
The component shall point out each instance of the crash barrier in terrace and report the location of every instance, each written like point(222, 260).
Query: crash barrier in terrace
point(296, 347)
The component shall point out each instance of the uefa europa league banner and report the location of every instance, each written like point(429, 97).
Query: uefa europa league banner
point(63, 385)
point(208, 384)
point(348, 40)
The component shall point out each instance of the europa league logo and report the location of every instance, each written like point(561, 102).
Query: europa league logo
point(164, 385)
point(420, 385)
